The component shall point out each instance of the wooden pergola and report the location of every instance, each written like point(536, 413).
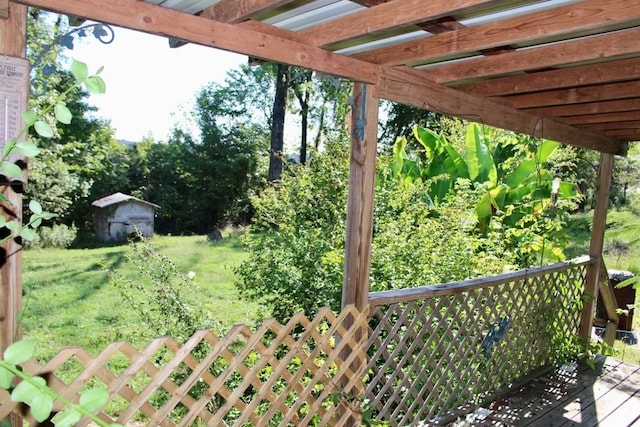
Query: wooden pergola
point(566, 70)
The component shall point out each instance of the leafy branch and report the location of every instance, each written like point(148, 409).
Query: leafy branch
point(34, 391)
point(31, 389)
point(28, 148)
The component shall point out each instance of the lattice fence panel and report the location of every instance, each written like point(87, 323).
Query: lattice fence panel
point(427, 355)
point(276, 376)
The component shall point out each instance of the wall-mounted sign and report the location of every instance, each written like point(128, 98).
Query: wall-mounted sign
point(14, 92)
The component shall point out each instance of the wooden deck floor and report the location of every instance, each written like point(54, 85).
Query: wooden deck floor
point(574, 395)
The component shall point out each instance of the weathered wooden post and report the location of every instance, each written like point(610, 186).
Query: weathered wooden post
point(362, 169)
point(596, 246)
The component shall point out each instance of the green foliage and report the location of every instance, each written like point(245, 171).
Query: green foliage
point(296, 243)
point(40, 121)
point(518, 193)
point(56, 236)
point(34, 391)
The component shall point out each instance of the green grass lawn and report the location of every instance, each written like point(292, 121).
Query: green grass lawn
point(69, 299)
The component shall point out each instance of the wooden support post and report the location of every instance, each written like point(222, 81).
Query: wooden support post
point(13, 35)
point(357, 259)
point(362, 170)
point(597, 243)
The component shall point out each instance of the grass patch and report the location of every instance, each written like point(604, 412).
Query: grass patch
point(69, 299)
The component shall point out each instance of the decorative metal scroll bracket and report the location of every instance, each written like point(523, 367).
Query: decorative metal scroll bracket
point(360, 114)
point(495, 334)
point(103, 32)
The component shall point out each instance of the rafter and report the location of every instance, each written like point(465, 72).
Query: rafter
point(232, 11)
point(142, 16)
point(535, 26)
point(609, 45)
point(384, 17)
point(624, 69)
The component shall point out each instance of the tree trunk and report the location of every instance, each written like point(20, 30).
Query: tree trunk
point(303, 100)
point(277, 123)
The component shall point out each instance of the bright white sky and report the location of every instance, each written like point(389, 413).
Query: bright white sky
point(148, 83)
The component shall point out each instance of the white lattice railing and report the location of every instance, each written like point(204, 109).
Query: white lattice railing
point(430, 350)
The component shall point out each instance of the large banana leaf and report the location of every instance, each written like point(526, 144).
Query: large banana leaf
point(479, 160)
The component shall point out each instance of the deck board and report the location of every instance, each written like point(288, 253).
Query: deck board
point(573, 395)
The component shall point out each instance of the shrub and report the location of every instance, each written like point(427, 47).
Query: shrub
point(56, 236)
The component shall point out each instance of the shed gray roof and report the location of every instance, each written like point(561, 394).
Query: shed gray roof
point(116, 198)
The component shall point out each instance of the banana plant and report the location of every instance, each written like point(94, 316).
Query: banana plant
point(527, 186)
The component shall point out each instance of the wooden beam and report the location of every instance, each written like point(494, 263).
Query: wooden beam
point(576, 95)
point(384, 17)
point(615, 71)
point(596, 245)
point(407, 86)
point(568, 52)
point(362, 171)
point(153, 19)
point(544, 25)
point(232, 11)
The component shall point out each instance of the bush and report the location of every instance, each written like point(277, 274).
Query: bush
point(56, 236)
point(296, 244)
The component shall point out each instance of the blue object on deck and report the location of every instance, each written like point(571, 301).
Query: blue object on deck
point(495, 334)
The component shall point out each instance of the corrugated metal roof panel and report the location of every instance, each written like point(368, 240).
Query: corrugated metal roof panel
point(116, 198)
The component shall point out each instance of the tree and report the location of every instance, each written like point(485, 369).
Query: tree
point(74, 159)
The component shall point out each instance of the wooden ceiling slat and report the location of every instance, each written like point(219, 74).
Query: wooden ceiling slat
point(630, 134)
point(386, 16)
point(609, 45)
point(587, 108)
point(575, 95)
point(152, 19)
point(232, 11)
point(631, 124)
point(408, 87)
point(624, 69)
point(273, 31)
point(535, 26)
point(602, 118)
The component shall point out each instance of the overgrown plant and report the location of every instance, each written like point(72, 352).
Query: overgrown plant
point(519, 194)
point(157, 293)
